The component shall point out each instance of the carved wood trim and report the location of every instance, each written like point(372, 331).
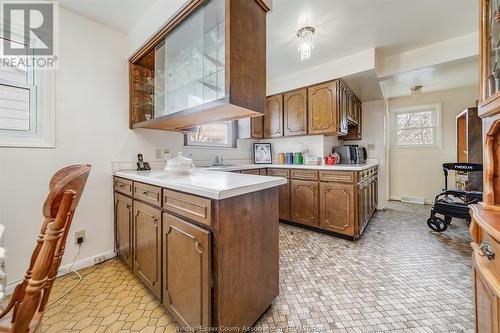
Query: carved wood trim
point(491, 173)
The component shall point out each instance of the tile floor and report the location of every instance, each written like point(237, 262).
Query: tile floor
point(398, 277)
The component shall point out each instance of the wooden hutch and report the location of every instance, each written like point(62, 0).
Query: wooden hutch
point(485, 225)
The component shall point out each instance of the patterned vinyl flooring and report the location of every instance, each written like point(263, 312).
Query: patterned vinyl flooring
point(399, 277)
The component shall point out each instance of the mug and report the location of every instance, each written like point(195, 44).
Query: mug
point(298, 158)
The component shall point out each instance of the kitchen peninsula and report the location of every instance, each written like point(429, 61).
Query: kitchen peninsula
point(205, 244)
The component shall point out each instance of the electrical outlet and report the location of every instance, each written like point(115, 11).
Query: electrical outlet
point(99, 259)
point(158, 154)
point(79, 237)
point(371, 146)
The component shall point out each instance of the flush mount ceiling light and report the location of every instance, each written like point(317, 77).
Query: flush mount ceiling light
point(306, 45)
point(416, 91)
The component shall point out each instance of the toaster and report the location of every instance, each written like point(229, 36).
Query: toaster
point(351, 154)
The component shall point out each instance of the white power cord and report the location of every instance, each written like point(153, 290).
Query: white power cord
point(70, 270)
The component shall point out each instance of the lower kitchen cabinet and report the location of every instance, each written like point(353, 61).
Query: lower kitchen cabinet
point(186, 272)
point(123, 228)
point(304, 202)
point(336, 208)
point(284, 194)
point(147, 246)
point(184, 247)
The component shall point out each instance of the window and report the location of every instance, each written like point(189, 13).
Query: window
point(219, 134)
point(27, 115)
point(417, 126)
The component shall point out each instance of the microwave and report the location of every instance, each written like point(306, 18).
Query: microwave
point(351, 154)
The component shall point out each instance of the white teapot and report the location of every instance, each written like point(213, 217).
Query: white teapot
point(179, 165)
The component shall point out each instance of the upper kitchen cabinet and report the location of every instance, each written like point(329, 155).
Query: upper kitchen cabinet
point(295, 112)
point(208, 63)
point(326, 106)
point(490, 58)
point(273, 120)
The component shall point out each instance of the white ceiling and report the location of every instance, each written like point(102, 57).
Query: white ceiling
point(455, 74)
point(346, 27)
point(120, 15)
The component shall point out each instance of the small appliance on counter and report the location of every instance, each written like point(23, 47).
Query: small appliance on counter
point(141, 165)
point(351, 154)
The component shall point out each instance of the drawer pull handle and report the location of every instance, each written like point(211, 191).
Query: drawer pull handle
point(486, 250)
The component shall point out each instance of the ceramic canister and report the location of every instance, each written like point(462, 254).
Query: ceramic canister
point(298, 158)
point(281, 158)
point(289, 158)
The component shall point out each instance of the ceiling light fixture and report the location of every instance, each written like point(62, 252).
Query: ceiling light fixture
point(416, 91)
point(306, 45)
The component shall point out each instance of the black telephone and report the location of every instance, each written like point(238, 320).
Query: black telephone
point(141, 165)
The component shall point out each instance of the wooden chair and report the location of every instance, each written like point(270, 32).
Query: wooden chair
point(25, 310)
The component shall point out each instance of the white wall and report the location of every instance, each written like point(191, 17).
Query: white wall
point(318, 145)
point(374, 132)
point(91, 122)
point(418, 172)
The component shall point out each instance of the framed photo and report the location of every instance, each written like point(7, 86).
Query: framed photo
point(262, 153)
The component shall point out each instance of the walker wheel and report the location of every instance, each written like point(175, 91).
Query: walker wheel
point(437, 224)
point(447, 219)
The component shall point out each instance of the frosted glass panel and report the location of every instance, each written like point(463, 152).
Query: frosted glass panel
point(190, 64)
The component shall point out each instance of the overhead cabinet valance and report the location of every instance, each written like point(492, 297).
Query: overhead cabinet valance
point(207, 64)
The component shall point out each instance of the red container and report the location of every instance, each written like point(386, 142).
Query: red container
point(330, 160)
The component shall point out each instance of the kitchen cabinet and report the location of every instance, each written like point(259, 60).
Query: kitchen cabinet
point(273, 120)
point(336, 207)
point(123, 228)
point(187, 272)
point(304, 202)
point(487, 305)
point(257, 127)
point(147, 246)
point(284, 203)
point(182, 244)
point(295, 112)
point(251, 172)
point(323, 115)
point(206, 64)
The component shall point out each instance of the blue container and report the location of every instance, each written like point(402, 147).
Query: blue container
point(289, 158)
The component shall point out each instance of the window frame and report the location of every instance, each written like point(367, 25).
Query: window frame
point(232, 136)
point(41, 84)
point(433, 107)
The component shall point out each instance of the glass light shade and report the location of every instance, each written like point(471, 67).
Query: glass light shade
point(305, 36)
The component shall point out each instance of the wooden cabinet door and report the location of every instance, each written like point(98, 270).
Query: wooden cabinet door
point(343, 110)
point(359, 115)
point(186, 272)
point(147, 246)
point(322, 108)
point(304, 202)
point(486, 304)
point(336, 207)
point(123, 228)
point(295, 112)
point(273, 120)
point(284, 203)
point(361, 208)
point(257, 127)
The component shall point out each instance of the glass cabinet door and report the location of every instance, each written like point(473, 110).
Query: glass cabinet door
point(492, 49)
point(193, 61)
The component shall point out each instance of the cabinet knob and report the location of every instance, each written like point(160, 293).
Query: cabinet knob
point(129, 206)
point(486, 250)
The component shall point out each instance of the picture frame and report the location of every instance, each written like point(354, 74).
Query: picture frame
point(262, 153)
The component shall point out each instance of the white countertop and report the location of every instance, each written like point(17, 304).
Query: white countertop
point(201, 182)
point(337, 167)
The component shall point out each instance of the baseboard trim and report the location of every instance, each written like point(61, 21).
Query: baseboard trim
point(63, 270)
point(394, 198)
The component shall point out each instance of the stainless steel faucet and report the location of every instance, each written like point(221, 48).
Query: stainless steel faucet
point(218, 160)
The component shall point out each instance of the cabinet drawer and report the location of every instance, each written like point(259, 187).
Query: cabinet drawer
point(123, 185)
point(251, 172)
point(278, 172)
point(304, 174)
point(485, 241)
point(192, 207)
point(336, 176)
point(147, 193)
